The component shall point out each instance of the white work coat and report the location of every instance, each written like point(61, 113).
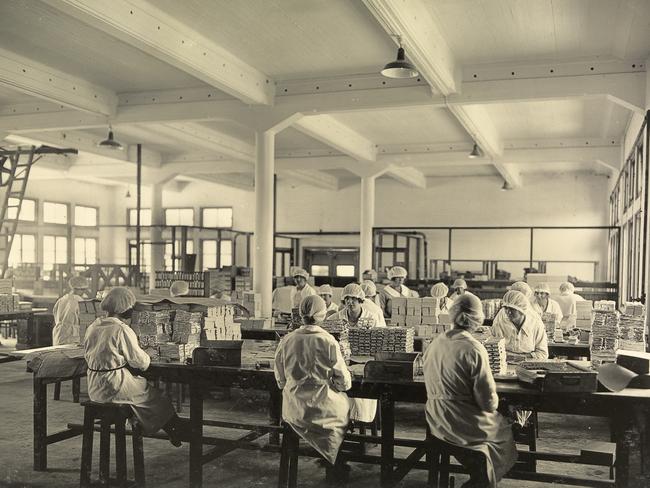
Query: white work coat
point(66, 320)
point(331, 309)
point(298, 295)
point(363, 409)
point(462, 401)
point(313, 377)
point(551, 307)
point(530, 339)
point(110, 346)
point(375, 310)
point(387, 293)
point(567, 303)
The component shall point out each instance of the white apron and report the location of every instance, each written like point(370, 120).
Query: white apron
point(313, 377)
point(111, 344)
point(66, 320)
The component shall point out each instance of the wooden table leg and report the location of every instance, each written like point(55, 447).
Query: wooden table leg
point(76, 388)
point(40, 424)
point(196, 437)
point(275, 414)
point(387, 438)
point(631, 426)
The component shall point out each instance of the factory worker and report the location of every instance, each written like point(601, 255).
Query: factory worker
point(353, 299)
point(543, 303)
point(462, 400)
point(66, 313)
point(302, 289)
point(394, 289)
point(369, 274)
point(370, 290)
point(567, 302)
point(458, 288)
point(521, 327)
point(440, 291)
point(111, 350)
point(313, 377)
point(179, 288)
point(524, 288)
point(326, 292)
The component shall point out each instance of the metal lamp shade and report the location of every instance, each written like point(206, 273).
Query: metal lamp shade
point(110, 142)
point(399, 68)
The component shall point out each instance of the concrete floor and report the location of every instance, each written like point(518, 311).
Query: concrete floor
point(167, 466)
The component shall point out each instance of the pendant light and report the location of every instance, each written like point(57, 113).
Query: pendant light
point(110, 142)
point(506, 186)
point(476, 152)
point(400, 68)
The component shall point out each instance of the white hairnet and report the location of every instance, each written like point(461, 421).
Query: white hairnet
point(325, 290)
point(439, 290)
point(179, 288)
point(515, 299)
point(353, 290)
point(313, 309)
point(567, 288)
point(467, 311)
point(299, 272)
point(78, 282)
point(118, 300)
point(460, 283)
point(369, 288)
point(370, 274)
point(397, 272)
point(522, 287)
point(543, 288)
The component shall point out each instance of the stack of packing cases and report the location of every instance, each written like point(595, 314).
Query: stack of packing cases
point(9, 301)
point(89, 311)
point(368, 341)
point(584, 314)
point(632, 329)
point(219, 324)
point(604, 336)
point(421, 313)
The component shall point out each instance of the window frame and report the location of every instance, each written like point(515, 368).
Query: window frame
point(67, 206)
point(74, 252)
point(55, 236)
point(18, 219)
point(96, 216)
point(178, 208)
point(232, 216)
point(21, 234)
point(142, 210)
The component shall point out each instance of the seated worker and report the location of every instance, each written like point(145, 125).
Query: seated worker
point(394, 289)
point(302, 289)
point(326, 292)
point(353, 299)
point(179, 288)
point(111, 349)
point(369, 274)
point(313, 377)
point(458, 288)
point(567, 302)
point(218, 293)
point(462, 400)
point(524, 288)
point(440, 291)
point(543, 303)
point(66, 313)
point(521, 327)
point(370, 290)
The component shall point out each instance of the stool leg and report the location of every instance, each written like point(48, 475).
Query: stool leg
point(444, 471)
point(179, 397)
point(283, 476)
point(57, 391)
point(433, 464)
point(105, 452)
point(293, 460)
point(87, 449)
point(76, 388)
point(138, 456)
point(120, 452)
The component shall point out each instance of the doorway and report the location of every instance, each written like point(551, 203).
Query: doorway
point(335, 266)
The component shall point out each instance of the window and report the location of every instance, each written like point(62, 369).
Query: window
point(145, 216)
point(345, 270)
point(189, 247)
point(85, 250)
point(55, 251)
point(23, 250)
point(319, 270)
point(27, 210)
point(209, 254)
point(225, 252)
point(145, 253)
point(217, 217)
point(85, 216)
point(55, 213)
point(179, 216)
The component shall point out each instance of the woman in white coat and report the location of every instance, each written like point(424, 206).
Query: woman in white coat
point(66, 313)
point(543, 303)
point(396, 288)
point(370, 290)
point(567, 302)
point(313, 377)
point(326, 292)
point(111, 351)
point(440, 291)
point(462, 400)
point(302, 289)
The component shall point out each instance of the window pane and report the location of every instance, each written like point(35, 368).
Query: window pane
point(91, 251)
point(209, 258)
point(15, 253)
point(85, 216)
point(319, 270)
point(55, 213)
point(225, 250)
point(145, 216)
point(179, 216)
point(186, 216)
point(345, 270)
point(217, 217)
point(27, 210)
point(61, 250)
point(79, 251)
point(28, 248)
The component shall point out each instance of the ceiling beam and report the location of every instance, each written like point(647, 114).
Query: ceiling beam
point(236, 180)
point(142, 24)
point(328, 130)
point(313, 178)
point(44, 82)
point(408, 176)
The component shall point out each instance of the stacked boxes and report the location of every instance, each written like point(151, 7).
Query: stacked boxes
point(431, 331)
point(549, 324)
point(152, 326)
point(195, 280)
point(429, 311)
point(257, 323)
point(413, 312)
point(9, 302)
point(632, 332)
point(6, 286)
point(496, 349)
point(244, 279)
point(634, 308)
point(491, 307)
point(605, 330)
point(89, 311)
point(220, 278)
point(366, 342)
point(220, 326)
point(340, 329)
point(185, 325)
point(253, 303)
point(584, 315)
point(606, 305)
point(398, 310)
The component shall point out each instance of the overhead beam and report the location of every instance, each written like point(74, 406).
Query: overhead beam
point(239, 181)
point(408, 176)
point(313, 178)
point(142, 24)
point(328, 130)
point(47, 83)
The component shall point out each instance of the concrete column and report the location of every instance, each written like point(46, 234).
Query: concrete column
point(263, 263)
point(367, 223)
point(157, 255)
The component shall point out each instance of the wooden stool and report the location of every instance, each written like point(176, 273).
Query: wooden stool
point(110, 414)
point(438, 454)
point(288, 477)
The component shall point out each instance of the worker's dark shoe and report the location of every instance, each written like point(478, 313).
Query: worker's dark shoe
point(337, 474)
